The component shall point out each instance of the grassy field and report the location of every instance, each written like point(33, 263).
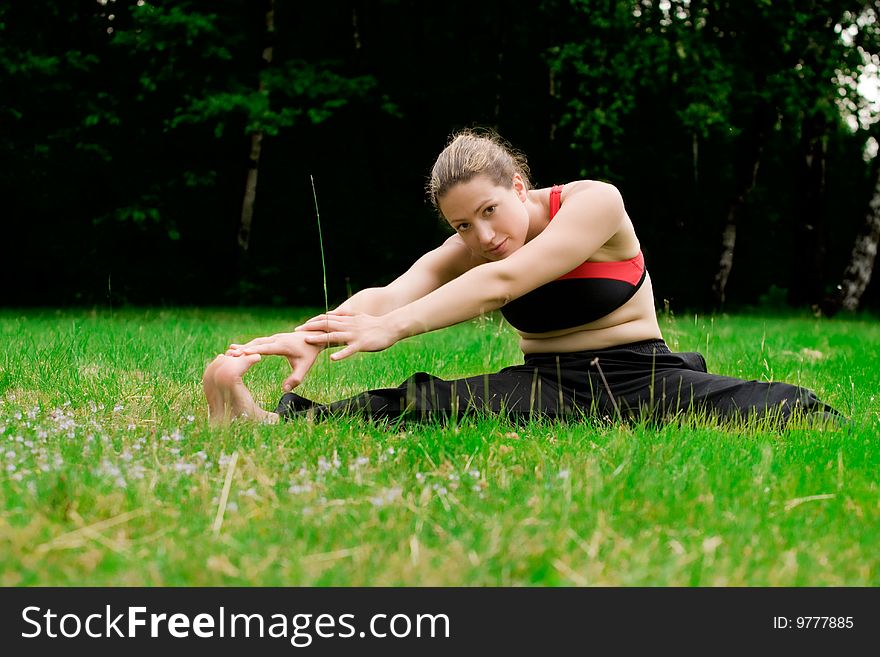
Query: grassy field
point(110, 474)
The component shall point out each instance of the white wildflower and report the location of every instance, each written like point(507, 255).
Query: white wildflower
point(387, 496)
point(184, 467)
point(325, 466)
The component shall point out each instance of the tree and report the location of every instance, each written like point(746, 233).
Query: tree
point(861, 265)
point(250, 189)
point(737, 76)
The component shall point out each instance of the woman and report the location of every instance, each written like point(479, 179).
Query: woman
point(565, 268)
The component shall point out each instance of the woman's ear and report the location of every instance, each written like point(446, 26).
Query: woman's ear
point(519, 186)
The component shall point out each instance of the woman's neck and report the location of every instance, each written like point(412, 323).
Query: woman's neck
point(538, 207)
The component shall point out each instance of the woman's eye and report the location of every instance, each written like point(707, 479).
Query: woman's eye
point(490, 210)
point(462, 227)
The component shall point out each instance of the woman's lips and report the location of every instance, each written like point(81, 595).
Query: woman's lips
point(498, 249)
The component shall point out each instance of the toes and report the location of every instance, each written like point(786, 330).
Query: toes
point(227, 376)
point(230, 369)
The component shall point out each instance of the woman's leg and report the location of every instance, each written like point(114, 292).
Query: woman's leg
point(664, 384)
point(635, 381)
point(516, 391)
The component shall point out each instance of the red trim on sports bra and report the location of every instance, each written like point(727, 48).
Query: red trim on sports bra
point(629, 271)
point(555, 200)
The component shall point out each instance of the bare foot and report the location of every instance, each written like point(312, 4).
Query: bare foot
point(228, 397)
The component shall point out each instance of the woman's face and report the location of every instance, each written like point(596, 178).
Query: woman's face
point(492, 220)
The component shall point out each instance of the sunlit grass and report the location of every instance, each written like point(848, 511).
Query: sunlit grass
point(110, 474)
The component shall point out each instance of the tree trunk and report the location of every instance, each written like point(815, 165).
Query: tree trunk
point(861, 263)
point(250, 192)
point(725, 262)
point(746, 174)
point(809, 243)
point(250, 188)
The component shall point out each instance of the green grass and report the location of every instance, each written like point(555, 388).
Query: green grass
point(110, 474)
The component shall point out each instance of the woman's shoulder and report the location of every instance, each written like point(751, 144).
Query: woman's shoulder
point(586, 196)
point(596, 189)
point(593, 187)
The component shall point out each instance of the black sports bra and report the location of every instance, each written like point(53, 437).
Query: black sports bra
point(583, 295)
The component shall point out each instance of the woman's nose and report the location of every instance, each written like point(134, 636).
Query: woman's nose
point(485, 234)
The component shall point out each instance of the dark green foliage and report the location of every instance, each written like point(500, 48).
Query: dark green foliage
point(125, 141)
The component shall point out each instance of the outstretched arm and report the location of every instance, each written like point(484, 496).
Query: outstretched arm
point(428, 273)
point(589, 218)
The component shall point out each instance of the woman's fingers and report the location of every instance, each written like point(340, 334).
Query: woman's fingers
point(328, 339)
point(314, 324)
point(343, 353)
point(236, 349)
point(266, 348)
point(320, 322)
point(300, 369)
point(324, 325)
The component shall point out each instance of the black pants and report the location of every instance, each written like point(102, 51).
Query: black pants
point(639, 380)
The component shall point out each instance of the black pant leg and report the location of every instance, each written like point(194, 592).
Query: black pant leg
point(668, 384)
point(627, 382)
point(519, 391)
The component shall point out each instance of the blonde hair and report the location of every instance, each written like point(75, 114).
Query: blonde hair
point(471, 153)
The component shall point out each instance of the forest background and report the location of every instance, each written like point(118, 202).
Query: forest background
point(164, 152)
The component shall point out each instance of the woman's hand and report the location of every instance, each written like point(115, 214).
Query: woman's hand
point(357, 331)
point(300, 353)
